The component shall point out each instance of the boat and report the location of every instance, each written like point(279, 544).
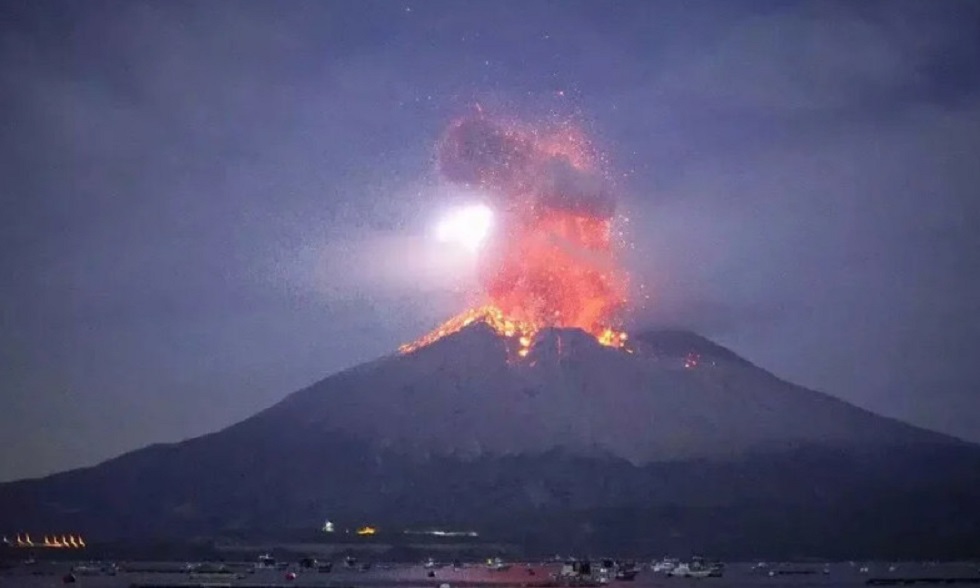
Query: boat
point(265, 562)
point(86, 570)
point(697, 568)
point(577, 574)
point(431, 564)
point(495, 564)
point(626, 571)
point(685, 570)
point(665, 565)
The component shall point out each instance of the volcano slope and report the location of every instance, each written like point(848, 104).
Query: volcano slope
point(678, 446)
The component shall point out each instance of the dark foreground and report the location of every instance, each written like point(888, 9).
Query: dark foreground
point(49, 574)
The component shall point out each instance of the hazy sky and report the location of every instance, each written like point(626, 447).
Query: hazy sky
point(209, 205)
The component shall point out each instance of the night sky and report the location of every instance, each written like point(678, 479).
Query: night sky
point(209, 205)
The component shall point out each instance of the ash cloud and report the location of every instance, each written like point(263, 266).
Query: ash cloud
point(562, 186)
point(512, 166)
point(477, 151)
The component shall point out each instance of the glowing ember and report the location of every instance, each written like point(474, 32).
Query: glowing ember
point(522, 332)
point(550, 260)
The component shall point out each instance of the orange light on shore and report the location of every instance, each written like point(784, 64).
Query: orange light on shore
point(69, 541)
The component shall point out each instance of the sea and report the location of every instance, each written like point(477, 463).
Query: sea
point(736, 575)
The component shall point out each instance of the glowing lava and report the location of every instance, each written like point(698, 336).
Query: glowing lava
point(522, 332)
point(550, 260)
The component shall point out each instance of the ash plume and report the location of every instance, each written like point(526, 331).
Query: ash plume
point(520, 166)
point(553, 258)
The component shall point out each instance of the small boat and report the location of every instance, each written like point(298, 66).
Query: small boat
point(265, 562)
point(86, 570)
point(697, 568)
point(626, 571)
point(578, 574)
point(684, 570)
point(431, 564)
point(664, 566)
point(495, 564)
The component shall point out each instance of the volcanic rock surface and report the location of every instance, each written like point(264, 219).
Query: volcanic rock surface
point(462, 397)
point(677, 445)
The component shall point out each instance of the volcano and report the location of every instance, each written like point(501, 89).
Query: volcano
point(672, 444)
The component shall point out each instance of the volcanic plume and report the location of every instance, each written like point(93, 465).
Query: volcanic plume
point(552, 259)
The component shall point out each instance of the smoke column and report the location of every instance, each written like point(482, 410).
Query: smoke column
point(552, 261)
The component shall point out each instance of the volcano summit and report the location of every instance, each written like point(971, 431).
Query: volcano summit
point(679, 445)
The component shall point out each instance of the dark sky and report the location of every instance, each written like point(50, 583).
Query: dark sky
point(208, 205)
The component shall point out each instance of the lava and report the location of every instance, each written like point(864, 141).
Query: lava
point(521, 331)
point(552, 258)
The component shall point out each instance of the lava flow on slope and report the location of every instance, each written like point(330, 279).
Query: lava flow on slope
point(552, 259)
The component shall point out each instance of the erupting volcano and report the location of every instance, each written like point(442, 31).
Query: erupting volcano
point(552, 258)
point(528, 419)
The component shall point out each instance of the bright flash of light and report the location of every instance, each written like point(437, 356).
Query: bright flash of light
point(468, 226)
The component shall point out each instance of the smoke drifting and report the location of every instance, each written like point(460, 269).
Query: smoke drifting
point(525, 167)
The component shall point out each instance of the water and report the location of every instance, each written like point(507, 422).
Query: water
point(736, 576)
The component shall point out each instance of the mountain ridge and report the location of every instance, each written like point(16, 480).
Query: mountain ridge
point(447, 391)
point(462, 431)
